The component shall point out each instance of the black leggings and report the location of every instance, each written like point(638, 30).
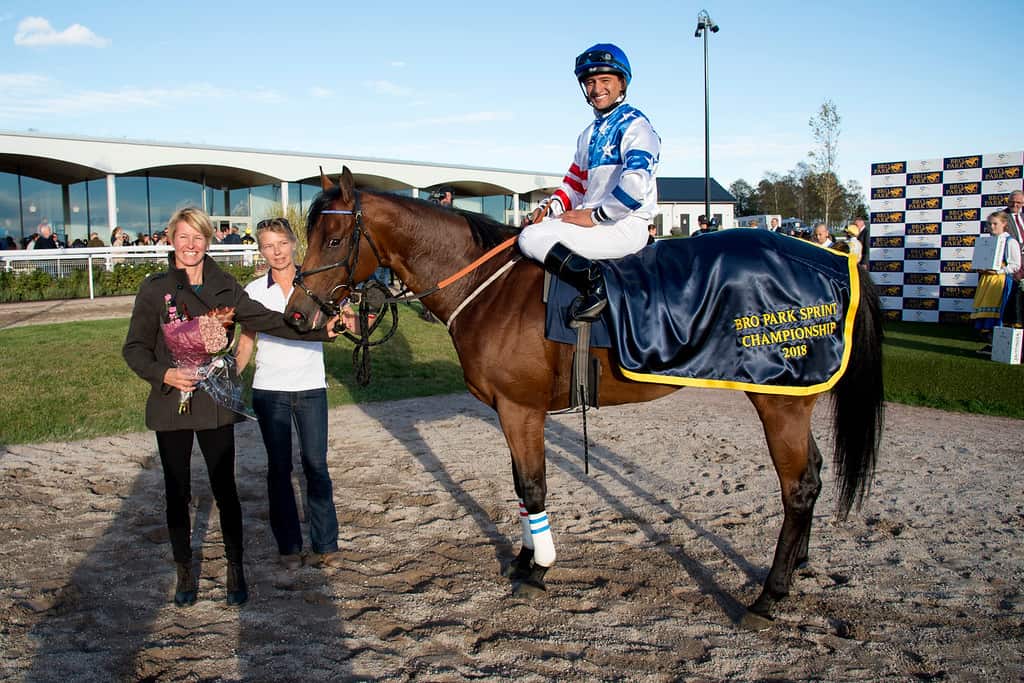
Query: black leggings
point(218, 447)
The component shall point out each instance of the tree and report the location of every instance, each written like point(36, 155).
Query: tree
point(825, 130)
point(744, 194)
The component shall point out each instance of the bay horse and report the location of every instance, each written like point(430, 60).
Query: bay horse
point(509, 365)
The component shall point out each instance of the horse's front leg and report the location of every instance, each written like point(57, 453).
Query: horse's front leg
point(524, 431)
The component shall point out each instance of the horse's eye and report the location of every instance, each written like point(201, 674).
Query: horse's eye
point(333, 243)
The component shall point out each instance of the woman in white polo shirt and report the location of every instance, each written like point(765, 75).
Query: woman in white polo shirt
point(290, 387)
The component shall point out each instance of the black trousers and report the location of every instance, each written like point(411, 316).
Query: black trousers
point(218, 447)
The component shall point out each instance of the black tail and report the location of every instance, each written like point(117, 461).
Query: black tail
point(857, 406)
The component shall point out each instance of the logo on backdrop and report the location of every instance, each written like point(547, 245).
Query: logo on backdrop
point(954, 163)
point(883, 242)
point(887, 217)
point(889, 167)
point(928, 178)
point(958, 240)
point(886, 266)
point(995, 200)
point(921, 278)
point(953, 189)
point(922, 204)
point(921, 254)
point(956, 292)
point(955, 266)
point(1002, 173)
point(923, 228)
point(888, 192)
point(952, 215)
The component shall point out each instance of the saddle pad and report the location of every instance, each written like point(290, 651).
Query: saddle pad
point(560, 296)
point(738, 309)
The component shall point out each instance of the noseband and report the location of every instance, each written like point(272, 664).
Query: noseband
point(331, 308)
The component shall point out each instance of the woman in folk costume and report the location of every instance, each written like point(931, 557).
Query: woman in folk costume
point(994, 286)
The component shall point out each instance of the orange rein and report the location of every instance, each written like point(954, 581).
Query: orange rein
point(477, 263)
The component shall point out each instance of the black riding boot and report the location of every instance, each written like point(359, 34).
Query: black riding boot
point(584, 275)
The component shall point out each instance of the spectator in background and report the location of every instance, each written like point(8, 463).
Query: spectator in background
point(652, 234)
point(995, 286)
point(46, 238)
point(774, 225)
point(9, 244)
point(119, 238)
point(852, 234)
point(703, 226)
point(821, 235)
point(232, 237)
point(1015, 209)
point(247, 238)
point(443, 196)
point(95, 241)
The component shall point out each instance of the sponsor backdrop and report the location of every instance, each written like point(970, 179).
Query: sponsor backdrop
point(925, 216)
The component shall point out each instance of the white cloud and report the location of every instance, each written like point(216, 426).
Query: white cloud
point(382, 87)
point(37, 32)
point(33, 95)
point(470, 117)
point(320, 93)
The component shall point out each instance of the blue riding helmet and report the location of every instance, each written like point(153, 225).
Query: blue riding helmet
point(603, 58)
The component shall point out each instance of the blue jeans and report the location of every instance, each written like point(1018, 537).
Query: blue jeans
point(277, 411)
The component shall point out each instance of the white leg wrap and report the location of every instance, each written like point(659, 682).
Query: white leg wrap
point(524, 521)
point(543, 545)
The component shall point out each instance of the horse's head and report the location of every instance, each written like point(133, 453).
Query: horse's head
point(339, 254)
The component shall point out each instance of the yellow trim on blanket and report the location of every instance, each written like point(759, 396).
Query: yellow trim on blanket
point(851, 315)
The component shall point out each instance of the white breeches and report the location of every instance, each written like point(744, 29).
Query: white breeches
point(607, 240)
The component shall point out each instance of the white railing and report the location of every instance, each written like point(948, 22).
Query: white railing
point(63, 262)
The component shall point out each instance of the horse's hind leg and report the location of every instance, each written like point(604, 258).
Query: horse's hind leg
point(524, 431)
point(787, 428)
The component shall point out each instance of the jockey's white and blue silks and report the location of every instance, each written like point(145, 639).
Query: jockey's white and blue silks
point(613, 173)
point(739, 309)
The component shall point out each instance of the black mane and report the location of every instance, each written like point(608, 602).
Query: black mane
point(487, 233)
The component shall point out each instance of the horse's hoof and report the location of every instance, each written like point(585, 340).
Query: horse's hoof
point(752, 621)
point(528, 591)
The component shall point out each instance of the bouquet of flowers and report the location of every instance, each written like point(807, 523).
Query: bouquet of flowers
point(200, 345)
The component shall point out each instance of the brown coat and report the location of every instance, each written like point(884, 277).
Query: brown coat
point(147, 355)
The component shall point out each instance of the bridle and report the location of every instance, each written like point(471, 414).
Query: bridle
point(331, 307)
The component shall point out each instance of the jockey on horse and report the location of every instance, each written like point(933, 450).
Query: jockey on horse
point(609, 196)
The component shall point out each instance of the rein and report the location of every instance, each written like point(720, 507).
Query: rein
point(361, 295)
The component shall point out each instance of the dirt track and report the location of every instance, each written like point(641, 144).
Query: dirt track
point(659, 548)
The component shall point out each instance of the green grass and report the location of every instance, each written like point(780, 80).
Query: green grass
point(936, 366)
point(67, 382)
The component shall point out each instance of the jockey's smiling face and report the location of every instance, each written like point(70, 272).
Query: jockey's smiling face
point(603, 90)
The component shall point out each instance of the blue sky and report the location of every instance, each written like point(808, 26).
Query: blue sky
point(492, 85)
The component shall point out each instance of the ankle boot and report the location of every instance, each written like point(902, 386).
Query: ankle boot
point(238, 592)
point(185, 591)
point(584, 275)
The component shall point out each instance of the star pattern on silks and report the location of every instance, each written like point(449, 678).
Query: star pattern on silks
point(608, 148)
point(628, 115)
point(604, 128)
point(651, 163)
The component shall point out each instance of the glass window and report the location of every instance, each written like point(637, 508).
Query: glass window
point(132, 206)
point(266, 201)
point(239, 202)
point(494, 206)
point(78, 216)
point(10, 212)
point(97, 209)
point(167, 195)
point(41, 202)
point(217, 202)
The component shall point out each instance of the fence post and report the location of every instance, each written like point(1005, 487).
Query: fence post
point(91, 294)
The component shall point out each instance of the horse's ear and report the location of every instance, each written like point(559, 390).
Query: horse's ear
point(325, 182)
point(347, 184)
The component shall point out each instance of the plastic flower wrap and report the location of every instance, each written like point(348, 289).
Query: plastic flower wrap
point(200, 345)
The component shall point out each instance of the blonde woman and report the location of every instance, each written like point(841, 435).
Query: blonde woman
point(994, 286)
point(195, 282)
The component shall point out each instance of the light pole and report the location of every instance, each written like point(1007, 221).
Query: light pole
point(705, 24)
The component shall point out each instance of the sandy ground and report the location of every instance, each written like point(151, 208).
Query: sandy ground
point(659, 549)
point(36, 312)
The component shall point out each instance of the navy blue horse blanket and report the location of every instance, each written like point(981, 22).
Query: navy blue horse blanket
point(738, 309)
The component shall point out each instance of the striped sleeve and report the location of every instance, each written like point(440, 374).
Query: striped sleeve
point(641, 150)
